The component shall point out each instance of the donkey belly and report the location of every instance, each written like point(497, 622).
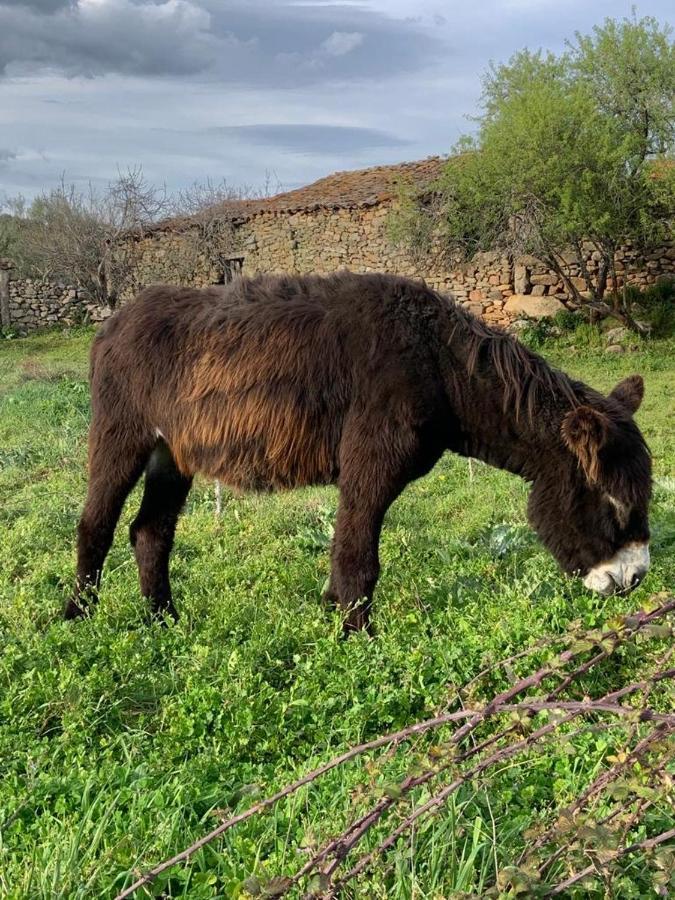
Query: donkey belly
point(257, 442)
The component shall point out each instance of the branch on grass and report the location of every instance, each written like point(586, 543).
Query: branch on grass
point(335, 851)
point(647, 844)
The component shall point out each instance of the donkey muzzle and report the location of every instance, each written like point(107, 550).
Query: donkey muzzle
point(622, 573)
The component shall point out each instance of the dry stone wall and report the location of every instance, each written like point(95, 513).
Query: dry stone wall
point(326, 240)
point(28, 304)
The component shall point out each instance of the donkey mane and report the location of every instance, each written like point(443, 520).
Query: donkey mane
point(526, 376)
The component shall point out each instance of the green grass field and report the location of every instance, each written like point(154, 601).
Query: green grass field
point(121, 742)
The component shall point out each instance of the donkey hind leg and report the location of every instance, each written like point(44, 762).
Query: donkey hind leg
point(152, 531)
point(366, 492)
point(114, 468)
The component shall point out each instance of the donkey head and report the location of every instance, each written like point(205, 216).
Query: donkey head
point(590, 507)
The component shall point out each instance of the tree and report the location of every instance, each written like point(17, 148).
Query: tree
point(12, 214)
point(70, 235)
point(569, 149)
point(208, 211)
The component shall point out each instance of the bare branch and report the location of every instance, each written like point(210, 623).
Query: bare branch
point(493, 749)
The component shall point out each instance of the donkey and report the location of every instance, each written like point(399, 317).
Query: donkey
point(357, 380)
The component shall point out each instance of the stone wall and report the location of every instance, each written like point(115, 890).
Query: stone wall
point(28, 304)
point(326, 240)
point(320, 239)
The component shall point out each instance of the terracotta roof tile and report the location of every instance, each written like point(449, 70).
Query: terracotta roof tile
point(341, 190)
point(358, 187)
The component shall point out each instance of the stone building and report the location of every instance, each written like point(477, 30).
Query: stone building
point(340, 221)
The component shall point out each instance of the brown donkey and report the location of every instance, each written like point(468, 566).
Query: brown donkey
point(359, 380)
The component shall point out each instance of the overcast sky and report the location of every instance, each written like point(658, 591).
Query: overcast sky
point(197, 89)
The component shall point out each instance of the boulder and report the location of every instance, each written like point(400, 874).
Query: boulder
point(616, 335)
point(534, 307)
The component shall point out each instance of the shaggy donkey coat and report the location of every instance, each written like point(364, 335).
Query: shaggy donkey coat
point(358, 380)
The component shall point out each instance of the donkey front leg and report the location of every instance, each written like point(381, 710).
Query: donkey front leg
point(371, 478)
point(355, 564)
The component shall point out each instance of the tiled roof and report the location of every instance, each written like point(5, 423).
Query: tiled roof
point(341, 190)
point(358, 187)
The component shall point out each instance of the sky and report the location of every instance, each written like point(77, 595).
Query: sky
point(253, 91)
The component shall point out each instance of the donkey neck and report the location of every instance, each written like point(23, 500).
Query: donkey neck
point(508, 402)
point(497, 436)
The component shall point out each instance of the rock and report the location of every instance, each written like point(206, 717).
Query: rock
point(544, 279)
point(521, 279)
point(569, 257)
point(532, 306)
point(538, 290)
point(616, 335)
point(615, 348)
point(529, 260)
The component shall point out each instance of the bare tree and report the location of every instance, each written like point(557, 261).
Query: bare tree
point(92, 237)
point(208, 212)
point(71, 235)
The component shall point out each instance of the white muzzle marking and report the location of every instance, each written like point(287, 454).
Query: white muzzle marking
point(624, 571)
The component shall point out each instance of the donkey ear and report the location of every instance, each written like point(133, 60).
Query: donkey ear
point(585, 431)
point(630, 392)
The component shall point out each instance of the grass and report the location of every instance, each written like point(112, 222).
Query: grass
point(121, 741)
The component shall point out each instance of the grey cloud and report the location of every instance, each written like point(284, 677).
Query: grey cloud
point(41, 6)
point(305, 138)
point(296, 44)
point(277, 44)
point(240, 62)
point(142, 39)
point(6, 155)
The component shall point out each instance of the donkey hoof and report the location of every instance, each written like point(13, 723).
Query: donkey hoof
point(329, 600)
point(74, 611)
point(163, 614)
point(357, 620)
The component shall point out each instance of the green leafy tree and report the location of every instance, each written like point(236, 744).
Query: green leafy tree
point(568, 149)
point(12, 218)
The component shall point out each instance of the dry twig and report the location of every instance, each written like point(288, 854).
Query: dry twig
point(519, 706)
